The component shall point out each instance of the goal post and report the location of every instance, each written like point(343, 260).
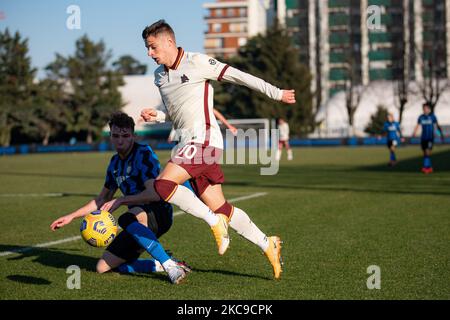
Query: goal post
point(256, 133)
point(252, 133)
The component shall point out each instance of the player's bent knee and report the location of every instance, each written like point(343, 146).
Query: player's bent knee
point(102, 266)
point(225, 209)
point(165, 188)
point(126, 219)
point(140, 215)
point(142, 218)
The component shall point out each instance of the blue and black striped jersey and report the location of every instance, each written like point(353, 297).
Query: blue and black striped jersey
point(130, 174)
point(427, 122)
point(392, 129)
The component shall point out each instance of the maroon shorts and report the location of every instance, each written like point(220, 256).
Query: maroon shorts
point(283, 143)
point(202, 164)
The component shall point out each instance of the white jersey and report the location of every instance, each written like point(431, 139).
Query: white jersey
point(284, 131)
point(173, 136)
point(188, 96)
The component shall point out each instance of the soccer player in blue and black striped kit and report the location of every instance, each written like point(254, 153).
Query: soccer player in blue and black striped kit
point(394, 136)
point(429, 124)
point(132, 170)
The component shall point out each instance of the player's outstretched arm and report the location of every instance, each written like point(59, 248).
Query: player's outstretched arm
point(288, 96)
point(62, 221)
point(224, 121)
point(153, 115)
point(415, 130)
point(441, 132)
point(212, 69)
point(146, 196)
point(239, 77)
point(92, 205)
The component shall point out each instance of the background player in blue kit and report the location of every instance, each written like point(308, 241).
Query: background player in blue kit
point(394, 135)
point(132, 170)
point(429, 124)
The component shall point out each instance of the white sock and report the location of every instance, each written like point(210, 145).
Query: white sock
point(244, 226)
point(169, 264)
point(188, 202)
point(278, 155)
point(290, 154)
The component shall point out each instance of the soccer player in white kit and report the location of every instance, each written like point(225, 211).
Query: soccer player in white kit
point(173, 134)
point(283, 126)
point(183, 81)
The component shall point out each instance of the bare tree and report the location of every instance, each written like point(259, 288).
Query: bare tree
point(353, 83)
point(433, 83)
point(433, 58)
point(353, 94)
point(401, 79)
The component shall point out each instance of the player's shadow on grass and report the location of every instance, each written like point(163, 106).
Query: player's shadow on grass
point(51, 257)
point(55, 258)
point(28, 279)
point(230, 273)
point(440, 160)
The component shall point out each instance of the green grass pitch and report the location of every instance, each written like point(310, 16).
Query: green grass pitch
point(338, 211)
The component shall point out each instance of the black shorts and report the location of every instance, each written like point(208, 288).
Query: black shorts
point(159, 220)
point(426, 144)
point(391, 143)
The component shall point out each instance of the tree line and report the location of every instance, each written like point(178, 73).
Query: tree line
point(273, 58)
point(80, 91)
point(428, 80)
point(75, 99)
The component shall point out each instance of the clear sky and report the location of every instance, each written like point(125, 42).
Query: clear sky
point(119, 23)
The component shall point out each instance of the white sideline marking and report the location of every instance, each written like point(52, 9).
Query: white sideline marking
point(40, 245)
point(51, 243)
point(31, 195)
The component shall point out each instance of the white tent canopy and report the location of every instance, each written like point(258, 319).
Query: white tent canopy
point(334, 118)
point(139, 92)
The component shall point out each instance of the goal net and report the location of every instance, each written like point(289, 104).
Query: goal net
point(252, 133)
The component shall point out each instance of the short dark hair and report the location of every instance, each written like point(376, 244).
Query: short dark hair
point(160, 26)
point(426, 104)
point(121, 120)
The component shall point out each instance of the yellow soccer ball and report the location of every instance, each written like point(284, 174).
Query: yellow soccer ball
point(99, 228)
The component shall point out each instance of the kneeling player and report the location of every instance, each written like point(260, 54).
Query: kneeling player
point(133, 170)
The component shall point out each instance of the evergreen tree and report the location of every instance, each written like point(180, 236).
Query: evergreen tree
point(377, 120)
point(16, 84)
point(127, 65)
point(94, 89)
point(49, 111)
point(272, 58)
